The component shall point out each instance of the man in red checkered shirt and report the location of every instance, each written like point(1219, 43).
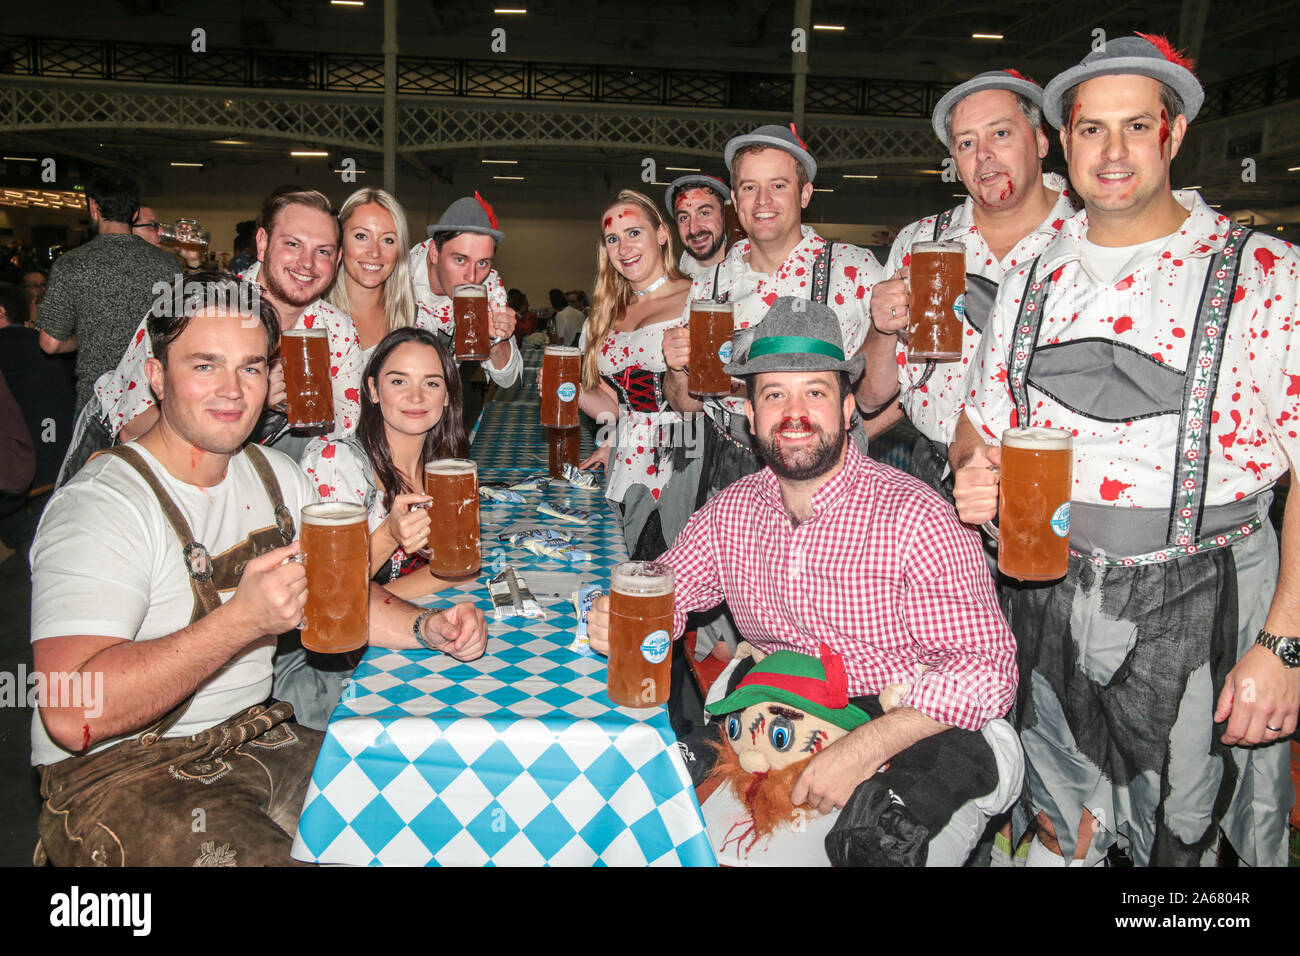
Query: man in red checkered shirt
point(826, 545)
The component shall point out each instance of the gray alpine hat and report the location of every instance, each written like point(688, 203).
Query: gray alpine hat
point(695, 181)
point(992, 80)
point(797, 335)
point(778, 137)
point(1143, 55)
point(468, 214)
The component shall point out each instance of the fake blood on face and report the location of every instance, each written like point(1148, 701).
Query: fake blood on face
point(1074, 114)
point(1164, 131)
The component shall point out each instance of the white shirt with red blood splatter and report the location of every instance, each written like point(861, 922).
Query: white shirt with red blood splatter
point(633, 460)
point(124, 393)
point(338, 474)
point(933, 406)
point(854, 271)
point(1152, 308)
point(433, 312)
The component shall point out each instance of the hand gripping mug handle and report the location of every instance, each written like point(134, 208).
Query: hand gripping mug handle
point(990, 527)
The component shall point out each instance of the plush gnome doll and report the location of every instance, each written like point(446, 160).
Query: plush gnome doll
point(786, 709)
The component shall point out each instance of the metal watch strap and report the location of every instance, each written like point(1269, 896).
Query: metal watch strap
point(417, 628)
point(1274, 642)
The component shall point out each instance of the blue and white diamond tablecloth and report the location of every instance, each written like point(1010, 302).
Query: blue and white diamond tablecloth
point(518, 758)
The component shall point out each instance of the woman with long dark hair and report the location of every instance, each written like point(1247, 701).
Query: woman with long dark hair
point(410, 414)
point(639, 293)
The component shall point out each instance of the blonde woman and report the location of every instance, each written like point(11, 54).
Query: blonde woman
point(374, 286)
point(639, 293)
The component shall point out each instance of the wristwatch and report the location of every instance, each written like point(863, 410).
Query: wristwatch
point(1286, 648)
point(418, 629)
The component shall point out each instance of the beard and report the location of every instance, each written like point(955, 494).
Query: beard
point(765, 795)
point(814, 461)
point(713, 248)
point(296, 298)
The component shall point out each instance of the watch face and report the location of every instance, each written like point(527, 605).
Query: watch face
point(1289, 651)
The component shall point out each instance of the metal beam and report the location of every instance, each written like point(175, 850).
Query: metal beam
point(390, 96)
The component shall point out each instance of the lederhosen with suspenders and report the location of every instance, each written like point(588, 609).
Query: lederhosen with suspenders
point(92, 813)
point(929, 458)
point(1144, 627)
point(728, 449)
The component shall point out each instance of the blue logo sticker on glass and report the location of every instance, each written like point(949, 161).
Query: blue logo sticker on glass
point(566, 391)
point(1061, 520)
point(959, 305)
point(724, 351)
point(655, 647)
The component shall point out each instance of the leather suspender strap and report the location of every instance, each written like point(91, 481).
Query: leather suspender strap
point(206, 598)
point(1023, 340)
point(941, 223)
point(822, 274)
point(1202, 376)
point(283, 520)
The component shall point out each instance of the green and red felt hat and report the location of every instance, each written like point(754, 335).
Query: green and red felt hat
point(815, 685)
point(796, 335)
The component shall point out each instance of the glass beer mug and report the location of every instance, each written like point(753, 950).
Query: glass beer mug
point(1033, 524)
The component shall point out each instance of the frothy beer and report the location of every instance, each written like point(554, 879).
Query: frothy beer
point(1034, 503)
point(562, 449)
point(711, 329)
point(640, 634)
point(336, 556)
point(452, 483)
point(309, 393)
point(937, 289)
point(469, 310)
point(560, 375)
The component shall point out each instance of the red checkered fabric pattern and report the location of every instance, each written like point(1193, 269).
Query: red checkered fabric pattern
point(882, 571)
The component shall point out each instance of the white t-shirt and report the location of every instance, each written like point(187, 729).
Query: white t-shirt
point(106, 562)
point(568, 323)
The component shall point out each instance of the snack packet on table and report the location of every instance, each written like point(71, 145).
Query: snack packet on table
point(582, 601)
point(575, 515)
point(511, 597)
point(561, 552)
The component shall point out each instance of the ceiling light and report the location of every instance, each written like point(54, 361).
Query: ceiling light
point(308, 152)
point(512, 178)
point(1191, 187)
point(827, 26)
point(986, 36)
point(682, 169)
point(1289, 169)
point(500, 162)
point(198, 165)
point(359, 172)
point(347, 3)
point(519, 10)
point(818, 190)
point(859, 176)
point(232, 142)
point(21, 159)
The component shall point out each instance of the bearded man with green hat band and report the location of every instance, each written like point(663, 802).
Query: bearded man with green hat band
point(1160, 675)
point(824, 545)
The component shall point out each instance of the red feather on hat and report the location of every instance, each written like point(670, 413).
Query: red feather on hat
point(837, 681)
point(1168, 52)
point(1018, 75)
point(492, 216)
point(796, 136)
